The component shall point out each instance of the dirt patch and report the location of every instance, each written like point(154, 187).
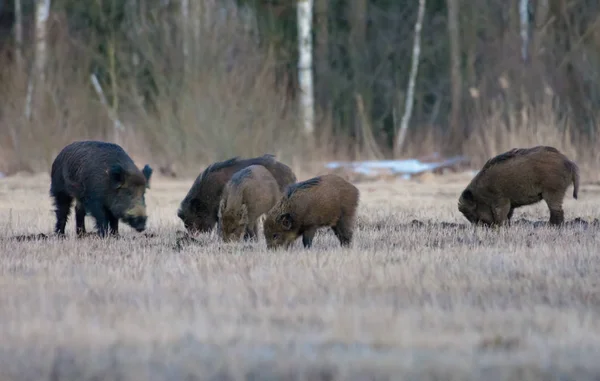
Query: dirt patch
point(183, 238)
point(574, 223)
point(443, 225)
point(30, 237)
point(87, 235)
point(142, 235)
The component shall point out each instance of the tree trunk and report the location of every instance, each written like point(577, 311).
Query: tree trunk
point(356, 16)
point(42, 14)
point(322, 92)
point(185, 32)
point(38, 75)
point(456, 128)
point(524, 18)
point(19, 32)
point(401, 134)
point(305, 74)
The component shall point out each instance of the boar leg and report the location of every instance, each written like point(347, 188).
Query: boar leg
point(557, 216)
point(99, 214)
point(79, 219)
point(501, 212)
point(252, 231)
point(510, 214)
point(343, 231)
point(113, 223)
point(307, 237)
point(62, 201)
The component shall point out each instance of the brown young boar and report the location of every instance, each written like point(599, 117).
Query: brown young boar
point(104, 182)
point(327, 200)
point(250, 193)
point(199, 209)
point(519, 177)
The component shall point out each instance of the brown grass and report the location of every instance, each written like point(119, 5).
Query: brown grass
point(405, 302)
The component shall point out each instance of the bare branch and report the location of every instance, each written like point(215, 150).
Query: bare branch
point(111, 113)
point(401, 135)
point(524, 17)
point(19, 32)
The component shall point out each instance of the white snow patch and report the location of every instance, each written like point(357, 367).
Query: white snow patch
point(399, 167)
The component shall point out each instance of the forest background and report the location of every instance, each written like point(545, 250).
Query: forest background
point(187, 82)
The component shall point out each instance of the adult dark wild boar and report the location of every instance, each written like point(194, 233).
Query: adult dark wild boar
point(519, 177)
point(326, 200)
point(104, 182)
point(250, 193)
point(199, 208)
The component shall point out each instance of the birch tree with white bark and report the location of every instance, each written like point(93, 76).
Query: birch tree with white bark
point(185, 26)
point(524, 23)
point(410, 92)
point(19, 32)
point(37, 78)
point(456, 80)
point(305, 73)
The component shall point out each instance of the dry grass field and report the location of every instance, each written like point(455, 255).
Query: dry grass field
point(408, 301)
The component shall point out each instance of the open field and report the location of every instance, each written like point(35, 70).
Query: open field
point(407, 301)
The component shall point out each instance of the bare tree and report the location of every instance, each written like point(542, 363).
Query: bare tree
point(524, 18)
point(19, 32)
point(401, 134)
point(118, 126)
point(305, 74)
point(185, 26)
point(455, 67)
point(38, 76)
point(322, 53)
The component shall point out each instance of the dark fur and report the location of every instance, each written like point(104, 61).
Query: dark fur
point(327, 200)
point(238, 178)
point(250, 193)
point(199, 208)
point(516, 178)
point(104, 182)
point(516, 152)
point(291, 189)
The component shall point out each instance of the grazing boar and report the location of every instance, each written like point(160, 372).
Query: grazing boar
point(519, 177)
point(250, 193)
point(326, 200)
point(199, 209)
point(104, 182)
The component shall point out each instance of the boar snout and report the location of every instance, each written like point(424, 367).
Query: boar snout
point(138, 223)
point(277, 240)
point(136, 218)
point(197, 228)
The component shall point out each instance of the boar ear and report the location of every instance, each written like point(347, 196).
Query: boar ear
point(467, 195)
point(286, 221)
point(244, 214)
point(117, 176)
point(147, 171)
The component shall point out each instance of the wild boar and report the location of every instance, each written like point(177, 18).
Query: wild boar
point(326, 200)
point(249, 194)
point(200, 207)
point(104, 182)
point(519, 177)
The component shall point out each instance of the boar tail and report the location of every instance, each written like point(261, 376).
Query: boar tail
point(575, 176)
